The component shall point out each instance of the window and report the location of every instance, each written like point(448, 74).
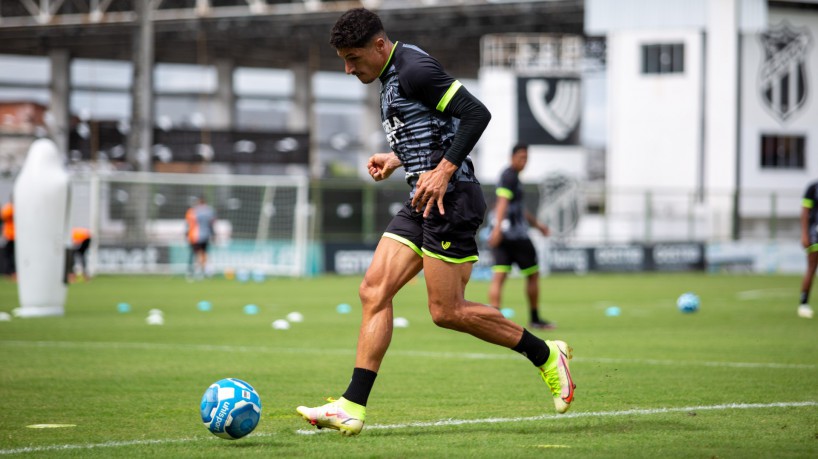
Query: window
point(665, 58)
point(782, 151)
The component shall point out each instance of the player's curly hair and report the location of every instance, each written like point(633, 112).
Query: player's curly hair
point(355, 28)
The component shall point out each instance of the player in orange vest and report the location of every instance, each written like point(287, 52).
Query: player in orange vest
point(81, 241)
point(7, 215)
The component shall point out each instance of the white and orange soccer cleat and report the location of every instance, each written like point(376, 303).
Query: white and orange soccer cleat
point(341, 414)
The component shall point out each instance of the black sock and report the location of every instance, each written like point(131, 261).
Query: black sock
point(535, 315)
point(804, 297)
point(360, 386)
point(534, 348)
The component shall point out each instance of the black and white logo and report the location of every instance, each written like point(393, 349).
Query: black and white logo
point(549, 110)
point(783, 77)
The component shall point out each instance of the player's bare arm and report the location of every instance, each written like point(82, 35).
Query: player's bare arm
point(431, 188)
point(381, 165)
point(536, 223)
point(500, 210)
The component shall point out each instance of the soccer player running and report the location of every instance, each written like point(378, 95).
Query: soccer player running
point(432, 122)
point(509, 239)
point(809, 239)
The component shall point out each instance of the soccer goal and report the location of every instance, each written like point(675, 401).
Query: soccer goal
point(137, 222)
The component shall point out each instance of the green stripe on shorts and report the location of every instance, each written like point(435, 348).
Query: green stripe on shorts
point(812, 248)
point(501, 268)
point(449, 259)
point(404, 241)
point(529, 271)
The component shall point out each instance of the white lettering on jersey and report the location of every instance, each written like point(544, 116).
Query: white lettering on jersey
point(391, 130)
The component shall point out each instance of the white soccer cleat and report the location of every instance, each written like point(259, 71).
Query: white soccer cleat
point(805, 311)
point(337, 414)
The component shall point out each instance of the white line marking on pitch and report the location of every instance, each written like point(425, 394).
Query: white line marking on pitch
point(764, 293)
point(110, 444)
point(406, 353)
point(441, 423)
point(592, 414)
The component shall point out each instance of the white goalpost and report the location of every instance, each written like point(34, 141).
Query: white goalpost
point(137, 222)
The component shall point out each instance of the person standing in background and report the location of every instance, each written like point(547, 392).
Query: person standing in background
point(7, 216)
point(80, 242)
point(200, 219)
point(809, 239)
point(509, 239)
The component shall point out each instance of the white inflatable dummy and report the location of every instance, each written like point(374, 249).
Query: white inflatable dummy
point(41, 227)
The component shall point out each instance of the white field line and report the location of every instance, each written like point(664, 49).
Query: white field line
point(406, 353)
point(591, 414)
point(764, 293)
point(441, 423)
point(111, 444)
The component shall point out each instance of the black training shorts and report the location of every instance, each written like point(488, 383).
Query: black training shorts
point(448, 237)
point(519, 251)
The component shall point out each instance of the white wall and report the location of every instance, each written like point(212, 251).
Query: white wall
point(757, 119)
point(653, 120)
point(498, 92)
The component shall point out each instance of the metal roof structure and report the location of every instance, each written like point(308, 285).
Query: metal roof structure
point(272, 33)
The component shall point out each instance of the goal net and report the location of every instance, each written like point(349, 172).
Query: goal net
point(137, 222)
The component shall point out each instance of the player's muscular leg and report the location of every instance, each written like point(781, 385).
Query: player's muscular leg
point(496, 288)
point(393, 265)
point(812, 263)
point(445, 286)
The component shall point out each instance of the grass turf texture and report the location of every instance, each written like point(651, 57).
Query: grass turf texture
point(133, 390)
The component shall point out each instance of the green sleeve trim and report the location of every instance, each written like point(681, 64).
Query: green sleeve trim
point(449, 259)
point(404, 241)
point(530, 271)
point(444, 101)
point(807, 203)
point(388, 60)
point(501, 269)
point(505, 193)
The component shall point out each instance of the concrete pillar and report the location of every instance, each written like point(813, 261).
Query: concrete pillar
point(225, 110)
point(140, 138)
point(721, 106)
point(299, 120)
point(60, 88)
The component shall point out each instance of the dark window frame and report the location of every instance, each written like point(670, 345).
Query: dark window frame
point(783, 151)
point(663, 58)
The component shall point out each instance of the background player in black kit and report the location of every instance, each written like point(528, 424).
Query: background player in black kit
point(509, 239)
point(809, 239)
point(432, 123)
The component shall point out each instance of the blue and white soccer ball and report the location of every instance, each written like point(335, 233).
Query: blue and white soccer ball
point(231, 408)
point(688, 302)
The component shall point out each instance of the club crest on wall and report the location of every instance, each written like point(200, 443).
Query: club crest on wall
point(783, 81)
point(549, 110)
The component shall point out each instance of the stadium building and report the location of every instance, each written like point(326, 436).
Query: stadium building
point(649, 122)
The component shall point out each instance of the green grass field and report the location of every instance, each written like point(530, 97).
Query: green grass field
point(737, 379)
